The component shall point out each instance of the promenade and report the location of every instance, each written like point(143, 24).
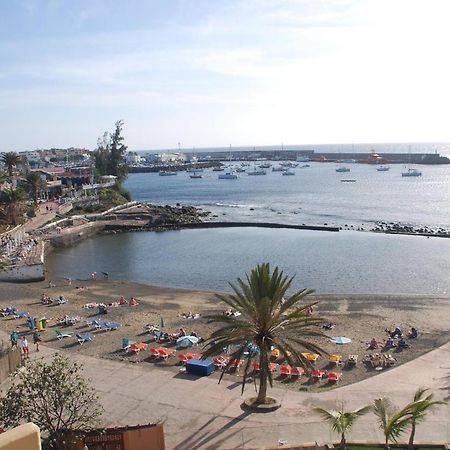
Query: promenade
point(200, 414)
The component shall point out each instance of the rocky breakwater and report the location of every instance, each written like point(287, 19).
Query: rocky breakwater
point(399, 228)
point(148, 216)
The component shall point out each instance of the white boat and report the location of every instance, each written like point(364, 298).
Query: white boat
point(277, 169)
point(257, 172)
point(412, 173)
point(228, 175)
point(304, 166)
point(265, 165)
point(166, 173)
point(343, 169)
point(239, 169)
point(288, 172)
point(196, 175)
point(218, 169)
point(383, 168)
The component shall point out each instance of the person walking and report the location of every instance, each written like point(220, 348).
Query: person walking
point(25, 348)
point(36, 339)
point(13, 337)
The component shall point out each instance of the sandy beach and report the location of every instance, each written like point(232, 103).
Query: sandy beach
point(357, 317)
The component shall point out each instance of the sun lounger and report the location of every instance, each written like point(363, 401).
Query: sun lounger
point(352, 360)
point(112, 326)
point(194, 355)
point(297, 371)
point(272, 367)
point(313, 357)
point(154, 352)
point(334, 376)
point(318, 374)
point(183, 358)
point(61, 335)
point(138, 346)
point(164, 353)
point(82, 338)
point(20, 315)
point(285, 370)
point(127, 343)
point(221, 361)
point(335, 359)
point(236, 364)
point(93, 323)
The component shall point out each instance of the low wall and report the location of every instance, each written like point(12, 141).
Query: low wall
point(9, 363)
point(26, 272)
point(67, 239)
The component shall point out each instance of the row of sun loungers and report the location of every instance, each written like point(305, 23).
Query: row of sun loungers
point(82, 338)
point(102, 325)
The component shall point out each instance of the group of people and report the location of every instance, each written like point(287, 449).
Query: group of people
point(190, 315)
point(23, 342)
point(390, 342)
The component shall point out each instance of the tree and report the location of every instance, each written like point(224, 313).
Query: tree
point(54, 396)
point(342, 421)
point(110, 153)
point(34, 184)
point(392, 423)
point(13, 201)
point(266, 321)
point(418, 409)
point(10, 160)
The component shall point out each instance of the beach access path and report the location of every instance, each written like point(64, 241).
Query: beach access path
point(198, 413)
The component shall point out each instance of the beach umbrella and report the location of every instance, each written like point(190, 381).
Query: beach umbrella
point(187, 341)
point(161, 324)
point(341, 340)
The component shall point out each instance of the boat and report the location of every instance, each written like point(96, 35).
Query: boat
point(412, 173)
point(228, 175)
point(304, 166)
point(256, 171)
point(288, 172)
point(348, 181)
point(166, 173)
point(218, 169)
point(196, 175)
point(239, 169)
point(383, 168)
point(265, 165)
point(342, 169)
point(277, 169)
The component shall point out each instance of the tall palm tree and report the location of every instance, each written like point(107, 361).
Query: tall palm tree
point(342, 421)
point(267, 320)
point(418, 409)
point(34, 184)
point(393, 423)
point(10, 160)
point(13, 200)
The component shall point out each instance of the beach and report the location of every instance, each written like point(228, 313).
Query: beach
point(358, 317)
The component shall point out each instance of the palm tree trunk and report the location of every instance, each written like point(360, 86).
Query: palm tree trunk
point(262, 393)
point(343, 444)
point(412, 435)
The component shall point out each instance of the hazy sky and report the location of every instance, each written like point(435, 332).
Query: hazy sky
point(219, 72)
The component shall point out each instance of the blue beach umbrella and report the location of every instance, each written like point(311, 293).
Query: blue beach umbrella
point(341, 340)
point(187, 341)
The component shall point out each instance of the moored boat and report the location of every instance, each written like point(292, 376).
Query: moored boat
point(412, 173)
point(228, 175)
point(342, 169)
point(383, 168)
point(166, 173)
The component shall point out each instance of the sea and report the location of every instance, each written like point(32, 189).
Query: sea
point(347, 262)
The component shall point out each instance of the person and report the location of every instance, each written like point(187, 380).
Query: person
point(373, 344)
point(25, 348)
point(389, 343)
point(94, 276)
point(309, 311)
point(413, 333)
point(402, 343)
point(328, 326)
point(183, 332)
point(122, 301)
point(397, 332)
point(36, 339)
point(133, 302)
point(13, 337)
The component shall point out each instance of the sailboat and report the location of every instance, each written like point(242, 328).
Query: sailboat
point(411, 172)
point(230, 174)
point(196, 172)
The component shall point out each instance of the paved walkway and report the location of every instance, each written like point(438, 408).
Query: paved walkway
point(200, 414)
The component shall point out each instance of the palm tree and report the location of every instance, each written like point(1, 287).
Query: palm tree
point(342, 421)
point(418, 409)
point(267, 320)
point(10, 160)
point(12, 199)
point(35, 183)
point(393, 423)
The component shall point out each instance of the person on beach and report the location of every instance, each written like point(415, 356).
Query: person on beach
point(122, 301)
point(133, 302)
point(373, 344)
point(13, 337)
point(413, 333)
point(25, 348)
point(36, 339)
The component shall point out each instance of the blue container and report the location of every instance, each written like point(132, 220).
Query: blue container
point(200, 367)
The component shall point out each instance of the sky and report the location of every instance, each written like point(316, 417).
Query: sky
point(223, 72)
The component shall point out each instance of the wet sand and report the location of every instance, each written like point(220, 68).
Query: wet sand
point(359, 317)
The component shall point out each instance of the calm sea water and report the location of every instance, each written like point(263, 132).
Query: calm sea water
point(344, 262)
point(315, 195)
